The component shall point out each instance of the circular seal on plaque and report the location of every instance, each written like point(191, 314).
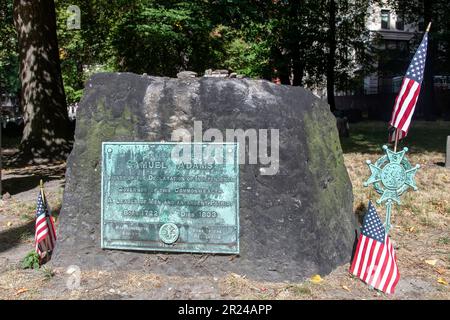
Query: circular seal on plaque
point(393, 176)
point(169, 233)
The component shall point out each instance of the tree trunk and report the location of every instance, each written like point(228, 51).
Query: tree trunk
point(298, 69)
point(331, 61)
point(280, 63)
point(46, 134)
point(284, 76)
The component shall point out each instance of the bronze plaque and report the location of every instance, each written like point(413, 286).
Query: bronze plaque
point(181, 197)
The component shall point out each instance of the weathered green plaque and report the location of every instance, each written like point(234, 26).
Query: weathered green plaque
point(180, 197)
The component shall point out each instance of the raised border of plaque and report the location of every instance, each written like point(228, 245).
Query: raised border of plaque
point(153, 202)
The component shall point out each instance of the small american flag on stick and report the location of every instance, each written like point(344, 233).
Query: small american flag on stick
point(375, 262)
point(45, 234)
point(406, 100)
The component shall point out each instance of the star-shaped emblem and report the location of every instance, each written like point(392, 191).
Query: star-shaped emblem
point(392, 175)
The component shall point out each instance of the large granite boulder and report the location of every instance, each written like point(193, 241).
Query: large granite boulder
point(293, 224)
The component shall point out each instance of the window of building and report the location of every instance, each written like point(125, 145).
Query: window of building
point(385, 19)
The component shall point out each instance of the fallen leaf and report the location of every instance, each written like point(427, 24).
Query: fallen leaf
point(411, 229)
point(442, 281)
point(21, 290)
point(316, 279)
point(9, 224)
point(431, 262)
point(263, 289)
point(162, 257)
point(440, 270)
point(346, 288)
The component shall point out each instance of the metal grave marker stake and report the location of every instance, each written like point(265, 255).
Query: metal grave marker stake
point(391, 176)
point(153, 200)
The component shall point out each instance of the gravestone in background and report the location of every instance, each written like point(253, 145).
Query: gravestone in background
point(293, 224)
point(447, 156)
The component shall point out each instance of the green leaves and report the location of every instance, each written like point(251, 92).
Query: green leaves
point(9, 64)
point(31, 261)
point(162, 38)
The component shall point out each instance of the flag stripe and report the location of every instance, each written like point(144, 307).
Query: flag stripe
point(384, 279)
point(394, 276)
point(367, 248)
point(362, 254)
point(380, 268)
point(406, 102)
point(401, 97)
point(40, 228)
point(355, 263)
point(406, 120)
point(41, 236)
point(390, 273)
point(372, 261)
point(52, 229)
point(397, 277)
point(378, 265)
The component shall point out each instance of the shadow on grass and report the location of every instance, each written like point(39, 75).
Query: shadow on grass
point(21, 184)
point(12, 237)
point(423, 136)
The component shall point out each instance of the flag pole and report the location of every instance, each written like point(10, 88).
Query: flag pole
point(41, 184)
point(396, 140)
point(429, 26)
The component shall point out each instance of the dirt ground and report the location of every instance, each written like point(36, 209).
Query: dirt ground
point(420, 232)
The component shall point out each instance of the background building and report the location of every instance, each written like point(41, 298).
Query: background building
point(392, 40)
point(394, 43)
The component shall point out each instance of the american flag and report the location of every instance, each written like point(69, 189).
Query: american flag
point(375, 262)
point(406, 100)
point(45, 235)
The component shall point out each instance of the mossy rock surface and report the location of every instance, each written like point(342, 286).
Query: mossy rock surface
point(294, 224)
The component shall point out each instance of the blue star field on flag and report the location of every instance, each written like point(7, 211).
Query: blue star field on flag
point(41, 208)
point(417, 66)
point(372, 225)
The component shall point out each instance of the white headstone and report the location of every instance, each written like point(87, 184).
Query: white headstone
point(447, 158)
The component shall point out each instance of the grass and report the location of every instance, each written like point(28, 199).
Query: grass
point(300, 290)
point(47, 272)
point(424, 136)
